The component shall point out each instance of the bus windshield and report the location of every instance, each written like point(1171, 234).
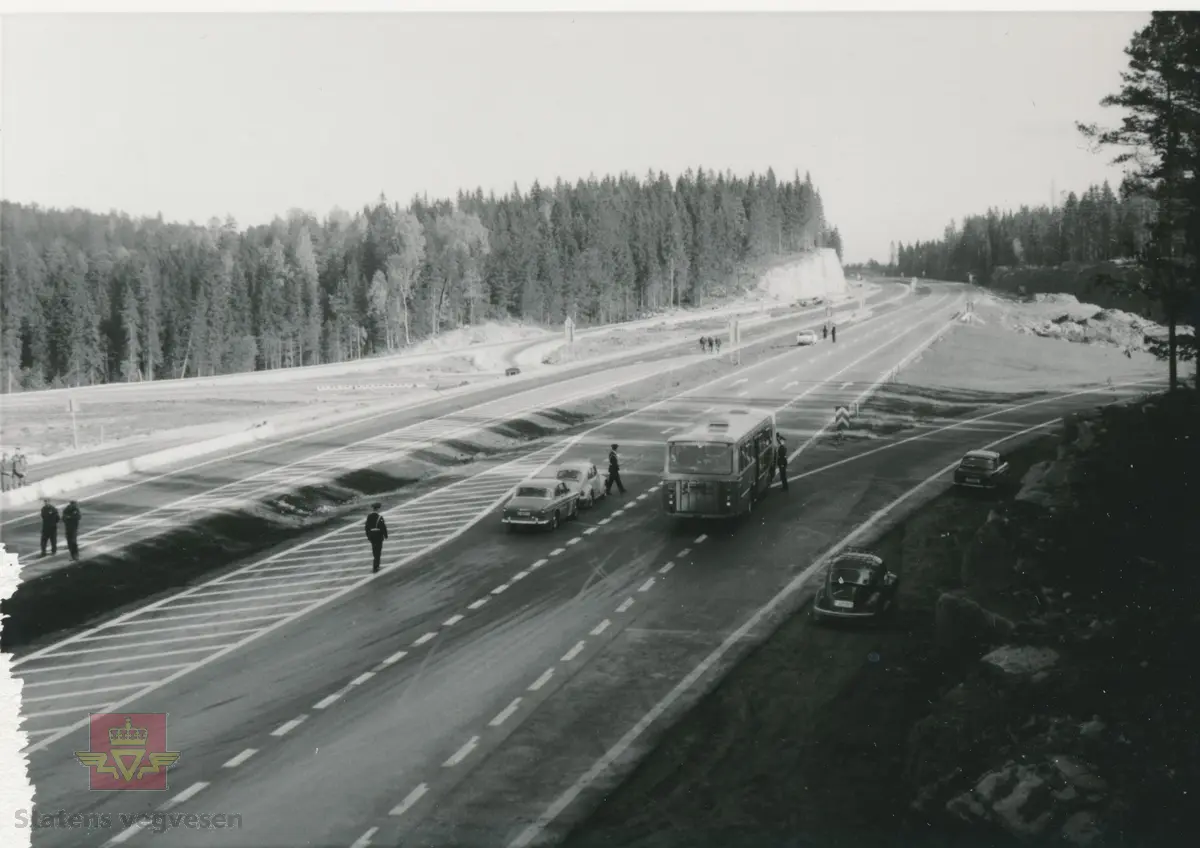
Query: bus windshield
point(700, 458)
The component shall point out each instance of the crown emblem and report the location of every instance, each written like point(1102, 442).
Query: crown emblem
point(128, 735)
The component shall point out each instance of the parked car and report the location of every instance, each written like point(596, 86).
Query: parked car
point(540, 503)
point(857, 586)
point(512, 371)
point(805, 338)
point(981, 469)
point(584, 480)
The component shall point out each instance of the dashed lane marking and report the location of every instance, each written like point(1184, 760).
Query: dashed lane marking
point(288, 726)
point(647, 585)
point(505, 713)
point(396, 657)
point(477, 604)
point(700, 538)
point(330, 700)
point(626, 604)
point(574, 541)
point(604, 521)
point(365, 676)
point(574, 652)
point(589, 531)
point(455, 619)
point(427, 637)
point(789, 385)
point(520, 575)
point(600, 628)
point(538, 564)
point(558, 551)
point(541, 681)
point(409, 799)
point(364, 840)
point(462, 753)
point(684, 553)
point(240, 758)
point(666, 568)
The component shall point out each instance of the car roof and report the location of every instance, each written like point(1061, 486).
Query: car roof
point(578, 464)
point(858, 558)
point(981, 454)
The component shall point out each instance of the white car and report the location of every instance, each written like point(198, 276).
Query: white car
point(583, 479)
point(805, 338)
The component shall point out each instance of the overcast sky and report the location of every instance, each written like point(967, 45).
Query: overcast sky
point(905, 121)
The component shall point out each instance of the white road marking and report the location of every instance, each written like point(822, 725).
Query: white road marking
point(184, 796)
point(789, 385)
point(558, 551)
point(289, 726)
point(520, 575)
point(538, 564)
point(600, 628)
point(556, 808)
point(462, 753)
point(604, 520)
point(646, 586)
point(127, 833)
point(541, 681)
point(626, 604)
point(574, 652)
point(743, 392)
point(364, 840)
point(668, 430)
point(620, 511)
point(505, 713)
point(394, 658)
point(845, 386)
point(666, 568)
point(589, 531)
point(499, 589)
point(330, 700)
point(362, 678)
point(700, 539)
point(452, 620)
point(240, 758)
point(684, 553)
point(574, 541)
point(425, 638)
point(739, 382)
point(409, 799)
point(474, 605)
point(643, 496)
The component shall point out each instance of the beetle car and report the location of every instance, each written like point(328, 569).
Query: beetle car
point(541, 503)
point(584, 480)
point(805, 338)
point(512, 371)
point(857, 586)
point(981, 469)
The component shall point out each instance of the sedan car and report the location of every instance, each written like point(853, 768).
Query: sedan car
point(512, 371)
point(981, 469)
point(805, 338)
point(858, 586)
point(583, 479)
point(540, 503)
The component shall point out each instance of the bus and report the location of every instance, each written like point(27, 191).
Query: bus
point(720, 467)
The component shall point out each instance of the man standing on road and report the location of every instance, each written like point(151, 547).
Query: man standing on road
point(833, 332)
point(376, 532)
point(5, 473)
point(614, 473)
point(718, 341)
point(49, 527)
point(71, 518)
point(825, 330)
point(19, 464)
point(781, 459)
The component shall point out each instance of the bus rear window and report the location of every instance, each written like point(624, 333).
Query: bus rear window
point(701, 458)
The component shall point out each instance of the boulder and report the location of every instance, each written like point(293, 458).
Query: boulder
point(1081, 829)
point(1021, 660)
point(963, 624)
point(1046, 485)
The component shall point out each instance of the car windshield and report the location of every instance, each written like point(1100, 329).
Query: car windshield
point(855, 575)
point(701, 458)
point(568, 474)
point(533, 492)
point(982, 463)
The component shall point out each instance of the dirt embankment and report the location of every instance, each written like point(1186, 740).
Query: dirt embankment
point(1037, 688)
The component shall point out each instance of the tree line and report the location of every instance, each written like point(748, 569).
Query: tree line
point(90, 298)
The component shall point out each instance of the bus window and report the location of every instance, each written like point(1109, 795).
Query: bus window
point(747, 454)
point(700, 458)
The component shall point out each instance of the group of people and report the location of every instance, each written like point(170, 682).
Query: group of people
point(376, 527)
point(708, 343)
point(71, 516)
point(12, 470)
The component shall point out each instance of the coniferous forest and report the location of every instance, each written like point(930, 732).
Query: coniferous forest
point(92, 298)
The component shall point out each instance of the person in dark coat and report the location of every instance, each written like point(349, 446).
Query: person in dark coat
point(19, 466)
point(833, 333)
point(376, 532)
point(781, 460)
point(825, 330)
point(49, 527)
point(703, 343)
point(6, 478)
point(71, 518)
point(614, 473)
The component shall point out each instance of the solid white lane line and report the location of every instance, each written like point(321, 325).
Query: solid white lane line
point(541, 681)
point(666, 568)
point(364, 840)
point(645, 586)
point(462, 753)
point(79, 693)
point(600, 628)
point(625, 605)
point(505, 713)
point(574, 652)
point(240, 758)
point(288, 726)
point(425, 638)
point(409, 799)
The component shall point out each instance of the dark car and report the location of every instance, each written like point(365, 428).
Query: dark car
point(512, 371)
point(857, 586)
point(981, 469)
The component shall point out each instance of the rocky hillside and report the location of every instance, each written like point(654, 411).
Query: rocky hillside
point(1075, 716)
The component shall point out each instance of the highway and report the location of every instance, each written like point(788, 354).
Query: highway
point(119, 513)
point(469, 690)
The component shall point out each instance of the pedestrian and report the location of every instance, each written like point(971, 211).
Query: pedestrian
point(376, 532)
point(614, 473)
point(49, 527)
point(71, 518)
point(711, 344)
point(718, 346)
point(703, 343)
point(781, 459)
point(5, 473)
point(825, 330)
point(19, 464)
point(833, 332)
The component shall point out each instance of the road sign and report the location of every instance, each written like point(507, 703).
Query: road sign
point(569, 329)
point(841, 418)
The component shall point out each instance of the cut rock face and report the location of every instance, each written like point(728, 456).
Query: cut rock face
point(1021, 660)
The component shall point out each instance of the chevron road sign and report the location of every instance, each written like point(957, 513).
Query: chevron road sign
point(841, 418)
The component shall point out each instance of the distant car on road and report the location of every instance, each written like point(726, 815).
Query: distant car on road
point(541, 503)
point(584, 480)
point(805, 338)
point(857, 586)
point(981, 469)
point(512, 371)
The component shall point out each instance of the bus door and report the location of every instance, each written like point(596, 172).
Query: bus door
point(764, 456)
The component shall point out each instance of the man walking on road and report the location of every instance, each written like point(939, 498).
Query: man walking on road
point(49, 527)
point(614, 473)
point(71, 518)
point(781, 459)
point(376, 533)
point(833, 331)
point(5, 474)
point(19, 465)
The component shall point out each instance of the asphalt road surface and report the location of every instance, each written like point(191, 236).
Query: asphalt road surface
point(121, 512)
point(457, 696)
